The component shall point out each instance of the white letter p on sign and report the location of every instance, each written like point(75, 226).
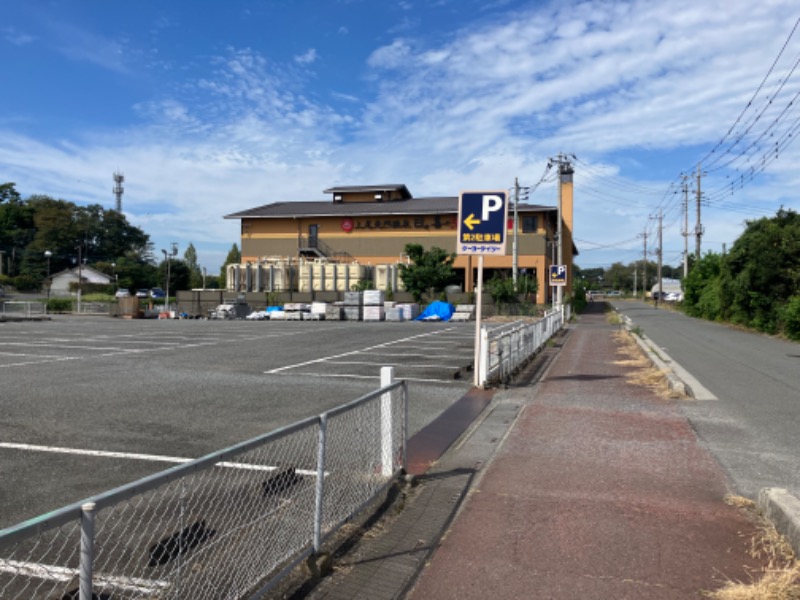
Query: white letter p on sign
point(491, 203)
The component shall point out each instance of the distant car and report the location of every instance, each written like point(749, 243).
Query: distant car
point(142, 293)
point(157, 293)
point(123, 293)
point(674, 297)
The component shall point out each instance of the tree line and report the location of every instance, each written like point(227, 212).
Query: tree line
point(757, 283)
point(41, 236)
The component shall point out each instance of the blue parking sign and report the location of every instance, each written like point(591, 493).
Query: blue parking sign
point(482, 223)
point(558, 275)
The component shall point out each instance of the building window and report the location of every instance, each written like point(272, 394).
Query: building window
point(528, 224)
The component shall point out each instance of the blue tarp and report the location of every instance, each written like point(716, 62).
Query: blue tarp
point(273, 308)
point(437, 311)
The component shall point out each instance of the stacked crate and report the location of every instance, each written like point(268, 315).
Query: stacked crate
point(318, 311)
point(297, 311)
point(353, 306)
point(410, 311)
point(395, 313)
point(334, 312)
point(373, 305)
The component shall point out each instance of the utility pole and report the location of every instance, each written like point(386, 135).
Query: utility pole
point(80, 278)
point(698, 230)
point(560, 289)
point(118, 189)
point(644, 268)
point(565, 172)
point(685, 228)
point(660, 253)
point(514, 247)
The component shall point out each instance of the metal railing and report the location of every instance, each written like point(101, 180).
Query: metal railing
point(19, 308)
point(228, 525)
point(314, 243)
point(505, 349)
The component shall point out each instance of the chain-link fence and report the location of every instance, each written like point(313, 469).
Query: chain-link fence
point(229, 525)
point(505, 349)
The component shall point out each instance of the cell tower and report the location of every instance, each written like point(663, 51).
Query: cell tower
point(118, 189)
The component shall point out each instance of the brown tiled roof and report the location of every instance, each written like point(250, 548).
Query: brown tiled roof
point(326, 208)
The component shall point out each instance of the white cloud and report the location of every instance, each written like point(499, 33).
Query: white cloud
point(18, 38)
point(307, 57)
point(395, 55)
point(608, 81)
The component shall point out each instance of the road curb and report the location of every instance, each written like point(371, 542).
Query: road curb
point(679, 379)
point(783, 511)
point(674, 383)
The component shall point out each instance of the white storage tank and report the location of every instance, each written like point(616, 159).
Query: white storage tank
point(388, 276)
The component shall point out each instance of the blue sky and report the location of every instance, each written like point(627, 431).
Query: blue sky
point(211, 107)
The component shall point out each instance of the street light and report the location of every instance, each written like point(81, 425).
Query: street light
point(47, 255)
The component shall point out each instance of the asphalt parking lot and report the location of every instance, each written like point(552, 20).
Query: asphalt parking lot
point(90, 403)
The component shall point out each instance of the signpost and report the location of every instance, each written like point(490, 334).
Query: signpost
point(482, 226)
point(558, 280)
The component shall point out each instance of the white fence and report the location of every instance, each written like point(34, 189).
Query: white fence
point(19, 308)
point(229, 525)
point(505, 349)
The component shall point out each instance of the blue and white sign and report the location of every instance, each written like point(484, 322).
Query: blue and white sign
point(558, 275)
point(482, 223)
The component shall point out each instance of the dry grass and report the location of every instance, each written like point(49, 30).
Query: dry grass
point(780, 579)
point(642, 373)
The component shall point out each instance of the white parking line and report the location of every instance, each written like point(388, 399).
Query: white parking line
point(375, 377)
point(389, 364)
point(39, 362)
point(327, 358)
point(146, 457)
point(65, 574)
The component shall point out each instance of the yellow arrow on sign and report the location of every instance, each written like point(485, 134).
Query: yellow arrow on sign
point(471, 221)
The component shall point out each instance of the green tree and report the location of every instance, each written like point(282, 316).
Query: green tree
point(179, 275)
point(195, 272)
point(757, 283)
point(762, 270)
point(501, 288)
point(702, 289)
point(9, 193)
point(16, 228)
point(431, 271)
point(619, 276)
point(234, 258)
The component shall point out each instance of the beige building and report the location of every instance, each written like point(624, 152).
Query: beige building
point(371, 225)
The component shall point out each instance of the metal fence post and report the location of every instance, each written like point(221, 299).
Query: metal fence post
point(483, 366)
point(87, 551)
point(323, 431)
point(405, 425)
point(387, 378)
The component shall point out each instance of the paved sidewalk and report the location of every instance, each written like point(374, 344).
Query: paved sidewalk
point(599, 491)
point(583, 486)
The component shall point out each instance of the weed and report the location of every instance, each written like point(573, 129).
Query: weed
point(780, 579)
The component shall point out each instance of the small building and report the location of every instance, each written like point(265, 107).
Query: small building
point(61, 281)
point(668, 286)
point(371, 225)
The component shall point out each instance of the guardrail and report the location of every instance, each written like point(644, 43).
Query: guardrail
point(229, 525)
point(505, 349)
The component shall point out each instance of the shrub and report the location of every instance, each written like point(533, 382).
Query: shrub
point(59, 305)
point(790, 315)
